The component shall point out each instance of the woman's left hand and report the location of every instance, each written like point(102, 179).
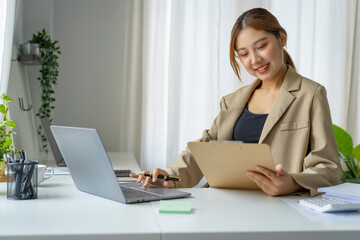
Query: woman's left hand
point(274, 183)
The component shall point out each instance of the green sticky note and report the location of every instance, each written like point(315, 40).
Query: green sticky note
point(171, 206)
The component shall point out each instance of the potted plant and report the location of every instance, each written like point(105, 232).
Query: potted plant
point(49, 54)
point(6, 132)
point(348, 154)
point(29, 48)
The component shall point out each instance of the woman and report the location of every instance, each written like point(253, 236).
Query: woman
point(280, 108)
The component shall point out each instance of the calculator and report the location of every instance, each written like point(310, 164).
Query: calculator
point(329, 205)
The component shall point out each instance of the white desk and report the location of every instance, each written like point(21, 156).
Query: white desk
point(240, 214)
point(63, 212)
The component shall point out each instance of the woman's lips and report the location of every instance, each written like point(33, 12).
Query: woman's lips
point(263, 69)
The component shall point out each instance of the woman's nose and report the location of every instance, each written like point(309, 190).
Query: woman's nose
point(255, 59)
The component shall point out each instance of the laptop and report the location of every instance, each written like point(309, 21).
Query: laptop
point(45, 122)
point(121, 174)
point(92, 172)
point(224, 164)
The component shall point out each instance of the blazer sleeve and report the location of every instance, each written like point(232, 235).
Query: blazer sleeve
point(185, 165)
point(321, 166)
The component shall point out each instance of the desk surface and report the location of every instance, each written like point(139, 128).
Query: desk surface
point(63, 212)
point(229, 214)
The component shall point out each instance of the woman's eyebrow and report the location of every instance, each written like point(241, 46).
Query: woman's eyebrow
point(256, 42)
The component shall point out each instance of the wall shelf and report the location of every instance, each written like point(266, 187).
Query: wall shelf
point(29, 59)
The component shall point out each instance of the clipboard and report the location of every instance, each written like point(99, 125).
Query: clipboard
point(224, 164)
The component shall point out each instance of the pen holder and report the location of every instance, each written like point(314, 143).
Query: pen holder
point(21, 180)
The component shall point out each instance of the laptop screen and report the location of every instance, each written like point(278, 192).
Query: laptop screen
point(45, 122)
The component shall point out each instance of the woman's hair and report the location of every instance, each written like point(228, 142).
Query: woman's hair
point(259, 19)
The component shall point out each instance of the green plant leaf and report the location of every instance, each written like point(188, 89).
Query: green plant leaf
point(343, 140)
point(10, 123)
point(353, 180)
point(345, 175)
point(356, 152)
point(7, 142)
point(6, 98)
point(2, 109)
point(352, 169)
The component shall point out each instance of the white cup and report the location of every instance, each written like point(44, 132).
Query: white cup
point(43, 173)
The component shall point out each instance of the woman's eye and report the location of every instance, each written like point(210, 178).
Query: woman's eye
point(243, 54)
point(262, 46)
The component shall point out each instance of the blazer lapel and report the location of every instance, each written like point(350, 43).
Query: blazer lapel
point(228, 119)
point(235, 107)
point(281, 104)
point(292, 82)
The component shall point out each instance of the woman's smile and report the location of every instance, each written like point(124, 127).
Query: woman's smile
point(263, 68)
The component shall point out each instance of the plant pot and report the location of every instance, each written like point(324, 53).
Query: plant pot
point(2, 175)
point(30, 48)
point(35, 50)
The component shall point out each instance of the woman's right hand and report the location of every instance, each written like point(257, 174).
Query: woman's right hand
point(154, 179)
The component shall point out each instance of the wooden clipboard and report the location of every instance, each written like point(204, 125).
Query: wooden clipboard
point(224, 164)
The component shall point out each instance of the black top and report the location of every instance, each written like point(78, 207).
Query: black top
point(249, 126)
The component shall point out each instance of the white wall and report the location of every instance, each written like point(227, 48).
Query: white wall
point(26, 134)
point(36, 15)
point(91, 38)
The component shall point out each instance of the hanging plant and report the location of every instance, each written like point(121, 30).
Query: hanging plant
point(49, 54)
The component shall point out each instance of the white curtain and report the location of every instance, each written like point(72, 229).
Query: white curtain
point(7, 16)
point(353, 110)
point(181, 59)
point(323, 39)
point(2, 31)
point(131, 88)
point(185, 72)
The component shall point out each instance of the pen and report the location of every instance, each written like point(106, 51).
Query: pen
point(26, 172)
point(19, 173)
point(29, 189)
point(166, 178)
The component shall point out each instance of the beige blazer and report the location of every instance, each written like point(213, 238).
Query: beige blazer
point(298, 130)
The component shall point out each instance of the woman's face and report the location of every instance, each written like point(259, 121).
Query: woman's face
point(261, 53)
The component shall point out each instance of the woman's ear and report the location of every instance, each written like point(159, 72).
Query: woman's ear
point(283, 38)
